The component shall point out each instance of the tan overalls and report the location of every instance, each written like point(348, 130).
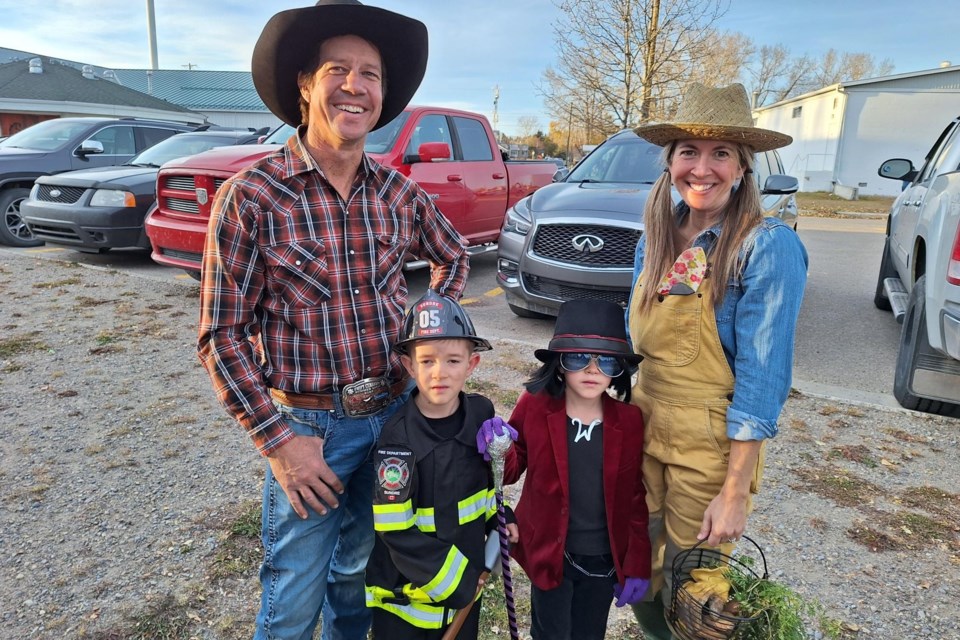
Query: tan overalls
point(684, 389)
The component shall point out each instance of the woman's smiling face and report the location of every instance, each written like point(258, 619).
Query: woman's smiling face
point(703, 172)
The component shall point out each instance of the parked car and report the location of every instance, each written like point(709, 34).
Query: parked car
point(919, 279)
point(577, 238)
point(67, 144)
point(562, 170)
point(103, 208)
point(451, 154)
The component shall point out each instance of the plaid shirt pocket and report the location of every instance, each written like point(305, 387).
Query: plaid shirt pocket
point(297, 273)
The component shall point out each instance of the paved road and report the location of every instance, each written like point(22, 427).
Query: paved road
point(845, 346)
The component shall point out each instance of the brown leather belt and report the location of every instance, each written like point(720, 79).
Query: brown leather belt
point(352, 396)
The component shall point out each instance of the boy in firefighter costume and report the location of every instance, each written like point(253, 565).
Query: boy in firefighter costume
point(434, 502)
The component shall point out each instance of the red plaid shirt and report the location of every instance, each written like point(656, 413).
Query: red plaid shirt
point(304, 292)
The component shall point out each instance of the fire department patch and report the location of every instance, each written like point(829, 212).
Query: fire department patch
point(394, 469)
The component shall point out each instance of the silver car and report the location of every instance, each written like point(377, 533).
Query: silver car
point(576, 238)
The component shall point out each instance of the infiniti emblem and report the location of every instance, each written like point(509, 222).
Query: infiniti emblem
point(587, 243)
point(202, 196)
point(55, 193)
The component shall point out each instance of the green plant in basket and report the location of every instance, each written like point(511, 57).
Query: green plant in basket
point(779, 609)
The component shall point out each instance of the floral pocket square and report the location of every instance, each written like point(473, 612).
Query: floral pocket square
point(687, 273)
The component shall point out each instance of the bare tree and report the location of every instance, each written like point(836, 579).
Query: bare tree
point(625, 55)
point(528, 126)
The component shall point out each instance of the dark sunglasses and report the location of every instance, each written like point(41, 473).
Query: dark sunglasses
point(609, 365)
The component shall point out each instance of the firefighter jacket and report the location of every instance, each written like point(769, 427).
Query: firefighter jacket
point(434, 503)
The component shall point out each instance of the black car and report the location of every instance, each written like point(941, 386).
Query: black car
point(101, 209)
point(67, 144)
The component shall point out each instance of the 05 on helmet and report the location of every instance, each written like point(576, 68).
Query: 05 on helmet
point(436, 317)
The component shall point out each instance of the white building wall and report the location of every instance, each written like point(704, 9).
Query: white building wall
point(815, 124)
point(242, 119)
point(881, 123)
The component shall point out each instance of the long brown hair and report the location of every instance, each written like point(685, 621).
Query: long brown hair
point(740, 217)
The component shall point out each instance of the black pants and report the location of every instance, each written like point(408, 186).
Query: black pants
point(387, 626)
point(578, 608)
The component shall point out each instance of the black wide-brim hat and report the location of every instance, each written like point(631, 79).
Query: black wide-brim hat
point(291, 38)
point(589, 326)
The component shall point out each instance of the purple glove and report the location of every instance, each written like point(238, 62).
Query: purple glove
point(630, 591)
point(490, 428)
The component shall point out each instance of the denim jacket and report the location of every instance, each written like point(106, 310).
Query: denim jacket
point(756, 322)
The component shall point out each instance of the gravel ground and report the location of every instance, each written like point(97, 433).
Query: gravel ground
point(126, 489)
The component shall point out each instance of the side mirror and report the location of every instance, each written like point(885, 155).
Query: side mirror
point(89, 147)
point(780, 185)
point(428, 152)
point(897, 169)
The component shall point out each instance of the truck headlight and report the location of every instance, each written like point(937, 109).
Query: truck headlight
point(518, 218)
point(112, 198)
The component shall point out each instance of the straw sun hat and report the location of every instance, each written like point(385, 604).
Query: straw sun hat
point(714, 114)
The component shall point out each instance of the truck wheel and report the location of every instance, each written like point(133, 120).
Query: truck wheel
point(913, 345)
point(14, 231)
point(880, 300)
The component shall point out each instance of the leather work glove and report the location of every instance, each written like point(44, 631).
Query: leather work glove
point(491, 428)
point(630, 591)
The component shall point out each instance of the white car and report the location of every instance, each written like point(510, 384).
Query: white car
point(919, 278)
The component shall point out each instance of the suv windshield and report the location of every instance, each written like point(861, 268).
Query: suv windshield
point(623, 159)
point(179, 147)
point(379, 141)
point(45, 136)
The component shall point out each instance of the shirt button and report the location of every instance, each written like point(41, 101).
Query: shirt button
point(351, 251)
point(356, 291)
point(297, 263)
point(363, 332)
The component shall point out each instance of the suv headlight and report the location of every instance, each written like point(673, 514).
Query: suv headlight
point(518, 219)
point(112, 198)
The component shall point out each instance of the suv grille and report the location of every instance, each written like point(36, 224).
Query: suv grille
point(557, 290)
point(555, 242)
point(65, 195)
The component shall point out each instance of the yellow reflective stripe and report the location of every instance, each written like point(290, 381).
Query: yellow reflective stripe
point(425, 520)
point(473, 507)
point(448, 578)
point(393, 517)
point(423, 616)
point(492, 503)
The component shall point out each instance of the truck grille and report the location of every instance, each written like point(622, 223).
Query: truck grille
point(186, 202)
point(555, 242)
point(557, 290)
point(65, 195)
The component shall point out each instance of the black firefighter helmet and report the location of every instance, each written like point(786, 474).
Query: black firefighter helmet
point(437, 317)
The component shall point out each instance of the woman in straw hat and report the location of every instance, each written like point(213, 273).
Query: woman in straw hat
point(713, 312)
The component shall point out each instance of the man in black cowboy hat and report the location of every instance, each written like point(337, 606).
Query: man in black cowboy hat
point(303, 294)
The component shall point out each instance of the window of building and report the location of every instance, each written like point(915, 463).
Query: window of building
point(796, 111)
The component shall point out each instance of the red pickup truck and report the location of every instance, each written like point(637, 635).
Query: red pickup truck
point(451, 154)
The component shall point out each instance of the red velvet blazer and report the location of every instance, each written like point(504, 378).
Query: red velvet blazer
point(542, 511)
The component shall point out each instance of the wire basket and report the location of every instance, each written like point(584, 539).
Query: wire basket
point(691, 618)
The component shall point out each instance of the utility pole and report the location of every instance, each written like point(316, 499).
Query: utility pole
point(496, 114)
point(152, 35)
point(189, 66)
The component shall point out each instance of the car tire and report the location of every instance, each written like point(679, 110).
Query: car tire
point(880, 300)
point(14, 231)
point(526, 313)
point(913, 345)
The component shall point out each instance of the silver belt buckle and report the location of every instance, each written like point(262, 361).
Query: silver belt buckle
point(365, 397)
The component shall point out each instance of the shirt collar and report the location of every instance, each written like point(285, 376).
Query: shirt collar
point(298, 160)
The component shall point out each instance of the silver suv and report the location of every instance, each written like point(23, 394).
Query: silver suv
point(576, 238)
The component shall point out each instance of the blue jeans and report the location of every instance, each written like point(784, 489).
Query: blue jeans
point(317, 565)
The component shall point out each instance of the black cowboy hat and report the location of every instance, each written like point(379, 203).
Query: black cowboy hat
point(589, 326)
point(291, 38)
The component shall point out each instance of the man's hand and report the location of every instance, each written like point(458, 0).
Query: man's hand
point(299, 467)
point(491, 428)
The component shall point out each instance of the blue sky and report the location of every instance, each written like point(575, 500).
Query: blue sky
point(475, 44)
